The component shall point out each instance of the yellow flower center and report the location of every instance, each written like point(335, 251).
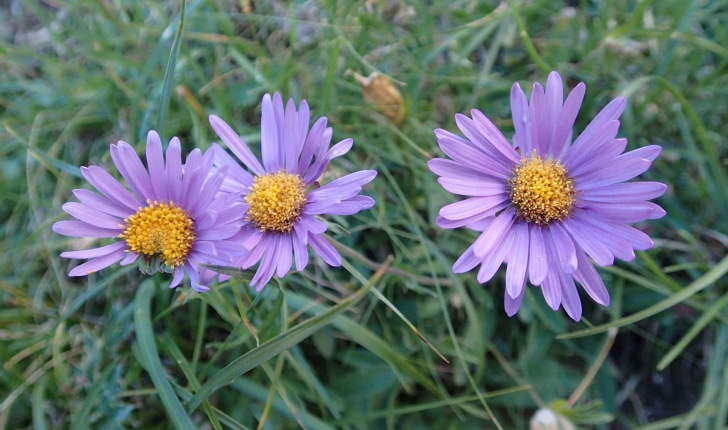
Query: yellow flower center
point(541, 190)
point(276, 201)
point(160, 229)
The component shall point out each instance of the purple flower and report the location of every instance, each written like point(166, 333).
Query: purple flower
point(544, 203)
point(282, 199)
point(172, 216)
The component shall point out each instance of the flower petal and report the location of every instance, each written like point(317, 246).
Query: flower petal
point(570, 296)
point(471, 207)
point(95, 252)
point(285, 256)
point(155, 161)
point(538, 262)
point(518, 260)
point(97, 264)
point(588, 277)
point(513, 304)
point(174, 170)
point(233, 141)
point(624, 192)
point(82, 229)
point(586, 240)
point(270, 140)
point(96, 217)
point(300, 252)
point(487, 241)
point(565, 250)
point(108, 186)
point(561, 138)
point(519, 111)
point(324, 249)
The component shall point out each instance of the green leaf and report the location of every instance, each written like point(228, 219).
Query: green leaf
point(169, 72)
point(698, 285)
point(275, 346)
point(145, 339)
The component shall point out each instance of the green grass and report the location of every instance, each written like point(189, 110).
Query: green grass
point(115, 351)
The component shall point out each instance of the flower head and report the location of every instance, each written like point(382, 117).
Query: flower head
point(544, 203)
point(173, 217)
point(281, 197)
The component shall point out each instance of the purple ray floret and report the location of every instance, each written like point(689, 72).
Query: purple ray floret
point(281, 196)
point(173, 217)
point(544, 203)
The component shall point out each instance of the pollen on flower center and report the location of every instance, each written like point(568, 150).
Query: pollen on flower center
point(276, 201)
point(541, 190)
point(160, 229)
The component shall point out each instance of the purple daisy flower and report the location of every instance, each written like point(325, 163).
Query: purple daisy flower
point(282, 198)
point(172, 217)
point(543, 204)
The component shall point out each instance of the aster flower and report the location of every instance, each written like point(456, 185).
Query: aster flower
point(544, 204)
point(171, 217)
point(282, 199)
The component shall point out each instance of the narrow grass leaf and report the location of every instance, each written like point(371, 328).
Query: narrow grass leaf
point(145, 339)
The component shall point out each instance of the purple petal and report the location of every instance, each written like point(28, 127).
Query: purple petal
point(562, 131)
point(473, 158)
point(207, 194)
point(236, 144)
point(268, 264)
point(551, 288)
point(155, 161)
point(219, 232)
point(475, 188)
point(570, 297)
point(109, 187)
point(624, 192)
point(95, 217)
point(314, 139)
point(581, 234)
point(617, 212)
point(539, 117)
point(611, 112)
point(300, 252)
point(95, 201)
point(477, 140)
point(191, 185)
point(481, 225)
point(494, 136)
point(473, 220)
point(619, 247)
point(178, 275)
point(129, 259)
point(303, 119)
point(317, 169)
point(637, 239)
point(249, 259)
point(95, 252)
point(489, 238)
point(657, 211)
point(82, 229)
point(583, 149)
point(191, 270)
point(622, 168)
point(518, 260)
point(519, 111)
point(565, 250)
point(494, 259)
point(285, 256)
point(291, 137)
point(466, 262)
point(270, 140)
point(605, 153)
point(174, 170)
point(97, 264)
point(136, 173)
point(470, 207)
point(552, 103)
point(239, 174)
point(588, 277)
point(453, 169)
point(512, 305)
point(538, 263)
point(324, 249)
point(312, 225)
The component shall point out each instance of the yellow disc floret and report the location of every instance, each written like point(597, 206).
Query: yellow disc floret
point(160, 229)
point(541, 191)
point(276, 201)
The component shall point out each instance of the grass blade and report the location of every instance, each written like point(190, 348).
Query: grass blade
point(169, 72)
point(698, 285)
point(145, 338)
point(277, 345)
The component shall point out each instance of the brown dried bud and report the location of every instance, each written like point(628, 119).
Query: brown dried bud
point(380, 92)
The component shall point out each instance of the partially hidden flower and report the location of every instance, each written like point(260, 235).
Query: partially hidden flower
point(544, 204)
point(173, 218)
point(281, 197)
